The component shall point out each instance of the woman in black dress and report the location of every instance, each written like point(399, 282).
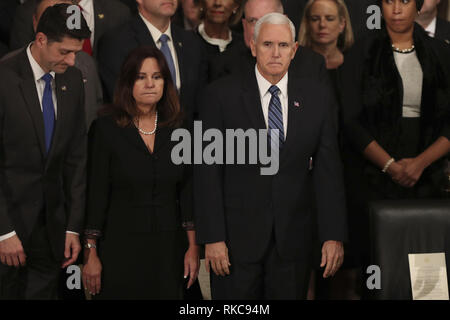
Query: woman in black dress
point(396, 103)
point(140, 238)
point(215, 28)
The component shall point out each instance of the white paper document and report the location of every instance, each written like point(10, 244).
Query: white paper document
point(428, 276)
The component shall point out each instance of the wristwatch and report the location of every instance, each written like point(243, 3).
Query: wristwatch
point(90, 245)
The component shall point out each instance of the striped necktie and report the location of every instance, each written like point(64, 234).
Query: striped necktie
point(276, 116)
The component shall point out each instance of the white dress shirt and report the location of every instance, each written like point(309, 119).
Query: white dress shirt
point(38, 73)
point(431, 29)
point(265, 96)
point(88, 14)
point(156, 34)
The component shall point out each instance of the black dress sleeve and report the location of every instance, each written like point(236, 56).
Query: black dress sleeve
point(98, 190)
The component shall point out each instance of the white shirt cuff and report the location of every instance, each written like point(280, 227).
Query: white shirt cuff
point(7, 236)
point(73, 232)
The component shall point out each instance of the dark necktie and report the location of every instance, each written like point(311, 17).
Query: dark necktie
point(276, 116)
point(48, 110)
point(169, 59)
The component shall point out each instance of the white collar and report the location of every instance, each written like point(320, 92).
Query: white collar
point(155, 33)
point(87, 5)
point(221, 43)
point(264, 85)
point(38, 72)
point(431, 29)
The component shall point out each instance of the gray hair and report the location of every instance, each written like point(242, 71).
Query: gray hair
point(274, 18)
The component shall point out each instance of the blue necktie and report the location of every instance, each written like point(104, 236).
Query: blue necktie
point(169, 59)
point(48, 110)
point(276, 116)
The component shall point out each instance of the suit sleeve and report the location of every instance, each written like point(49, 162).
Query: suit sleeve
point(208, 179)
point(6, 225)
point(328, 180)
point(75, 168)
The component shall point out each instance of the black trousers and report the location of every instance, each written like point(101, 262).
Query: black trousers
point(272, 278)
point(38, 279)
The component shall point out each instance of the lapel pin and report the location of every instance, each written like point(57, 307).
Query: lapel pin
point(296, 104)
point(84, 80)
point(180, 44)
point(101, 15)
point(447, 41)
point(64, 88)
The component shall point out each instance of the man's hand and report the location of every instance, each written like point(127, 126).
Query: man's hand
point(413, 169)
point(11, 252)
point(72, 249)
point(332, 257)
point(217, 254)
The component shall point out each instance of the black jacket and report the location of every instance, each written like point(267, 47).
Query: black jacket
point(32, 181)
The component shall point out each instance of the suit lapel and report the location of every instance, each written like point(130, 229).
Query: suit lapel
point(161, 138)
point(30, 95)
point(295, 112)
point(62, 101)
point(178, 45)
point(252, 101)
point(143, 36)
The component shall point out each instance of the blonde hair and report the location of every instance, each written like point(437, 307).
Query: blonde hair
point(345, 39)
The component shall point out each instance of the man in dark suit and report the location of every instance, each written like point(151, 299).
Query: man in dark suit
point(306, 63)
point(42, 194)
point(257, 229)
point(92, 86)
point(435, 27)
point(101, 16)
point(152, 26)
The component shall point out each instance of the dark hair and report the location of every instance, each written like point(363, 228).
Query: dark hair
point(124, 106)
point(234, 18)
point(53, 23)
point(419, 4)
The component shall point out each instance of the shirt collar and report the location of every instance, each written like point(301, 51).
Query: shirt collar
point(221, 43)
point(38, 72)
point(431, 29)
point(155, 33)
point(264, 85)
point(87, 5)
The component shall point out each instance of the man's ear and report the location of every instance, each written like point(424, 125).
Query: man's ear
point(295, 49)
point(41, 39)
point(253, 47)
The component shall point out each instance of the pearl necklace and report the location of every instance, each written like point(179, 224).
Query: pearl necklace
point(147, 133)
point(408, 50)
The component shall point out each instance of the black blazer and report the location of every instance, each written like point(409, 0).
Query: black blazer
point(442, 30)
point(108, 14)
point(32, 181)
point(131, 190)
point(118, 43)
point(236, 204)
